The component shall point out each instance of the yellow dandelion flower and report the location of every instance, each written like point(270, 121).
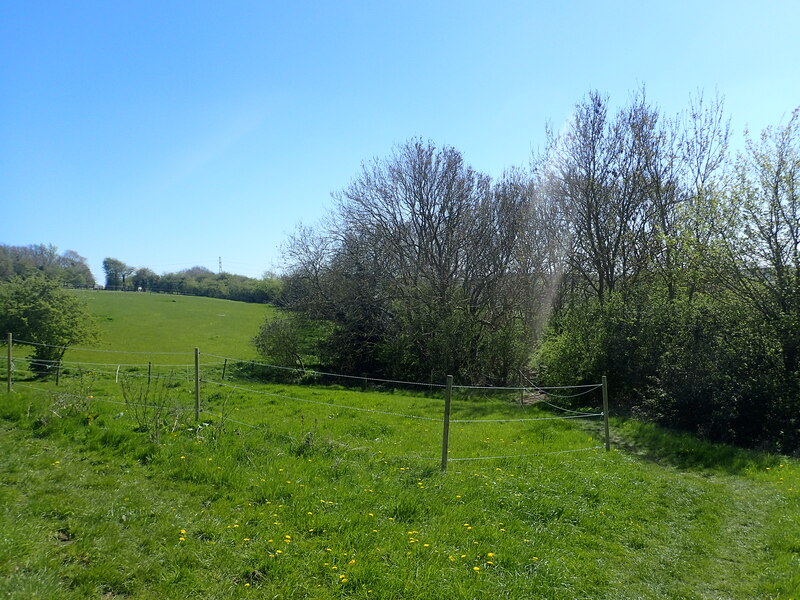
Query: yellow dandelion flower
point(476, 569)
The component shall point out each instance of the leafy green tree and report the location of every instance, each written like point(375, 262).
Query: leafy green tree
point(281, 339)
point(38, 310)
point(116, 273)
point(146, 279)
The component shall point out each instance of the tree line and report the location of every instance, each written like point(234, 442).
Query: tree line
point(68, 268)
point(196, 281)
point(636, 245)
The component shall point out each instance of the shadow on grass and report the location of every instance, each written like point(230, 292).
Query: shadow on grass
point(685, 451)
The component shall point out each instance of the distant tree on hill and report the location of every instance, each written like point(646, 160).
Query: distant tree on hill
point(116, 273)
point(145, 279)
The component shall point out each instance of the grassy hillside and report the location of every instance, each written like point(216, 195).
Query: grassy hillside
point(284, 491)
point(165, 323)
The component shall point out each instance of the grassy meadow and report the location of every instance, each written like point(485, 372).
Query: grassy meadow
point(111, 489)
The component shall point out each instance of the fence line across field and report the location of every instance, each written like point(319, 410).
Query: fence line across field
point(446, 420)
point(323, 373)
point(587, 388)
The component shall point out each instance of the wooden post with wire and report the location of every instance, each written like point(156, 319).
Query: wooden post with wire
point(446, 431)
point(224, 368)
point(197, 384)
point(10, 361)
point(605, 412)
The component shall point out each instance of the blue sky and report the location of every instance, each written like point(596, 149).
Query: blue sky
point(169, 134)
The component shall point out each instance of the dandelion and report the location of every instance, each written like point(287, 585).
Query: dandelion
point(476, 569)
point(490, 555)
point(182, 539)
point(352, 562)
point(183, 457)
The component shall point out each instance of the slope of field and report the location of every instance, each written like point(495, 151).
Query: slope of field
point(157, 324)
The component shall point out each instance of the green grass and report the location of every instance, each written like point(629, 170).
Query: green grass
point(285, 491)
point(164, 323)
point(276, 497)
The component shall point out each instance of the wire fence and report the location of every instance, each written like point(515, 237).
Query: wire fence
point(246, 377)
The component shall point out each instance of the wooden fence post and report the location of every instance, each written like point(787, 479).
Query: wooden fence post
point(605, 412)
point(224, 367)
point(10, 361)
point(197, 384)
point(446, 431)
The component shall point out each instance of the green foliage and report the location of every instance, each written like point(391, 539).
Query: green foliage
point(38, 310)
point(286, 340)
point(707, 364)
point(69, 268)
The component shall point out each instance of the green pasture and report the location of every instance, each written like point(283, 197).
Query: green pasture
point(166, 328)
point(309, 492)
point(109, 487)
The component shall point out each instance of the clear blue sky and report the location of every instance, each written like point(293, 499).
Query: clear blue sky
point(168, 134)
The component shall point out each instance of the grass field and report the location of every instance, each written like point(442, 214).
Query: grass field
point(285, 491)
point(154, 326)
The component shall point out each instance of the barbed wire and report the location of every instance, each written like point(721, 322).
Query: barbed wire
point(325, 374)
point(589, 388)
point(546, 390)
point(583, 415)
point(42, 361)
